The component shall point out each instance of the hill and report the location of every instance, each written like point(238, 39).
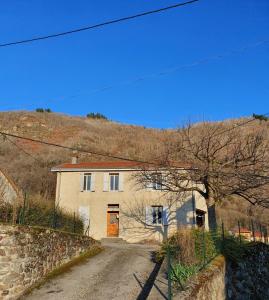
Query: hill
point(29, 163)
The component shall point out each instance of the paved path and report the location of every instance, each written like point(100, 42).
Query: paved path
point(121, 271)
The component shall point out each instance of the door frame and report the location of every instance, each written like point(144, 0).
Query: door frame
point(108, 220)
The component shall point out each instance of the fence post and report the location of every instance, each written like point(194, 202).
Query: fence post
point(239, 232)
point(223, 236)
point(204, 248)
point(169, 273)
point(23, 209)
point(260, 225)
point(253, 232)
point(54, 221)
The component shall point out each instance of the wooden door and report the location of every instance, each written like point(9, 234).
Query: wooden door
point(112, 224)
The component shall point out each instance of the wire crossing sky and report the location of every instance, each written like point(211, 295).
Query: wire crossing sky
point(110, 22)
point(151, 62)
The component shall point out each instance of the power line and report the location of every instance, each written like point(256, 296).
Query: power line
point(21, 149)
point(75, 149)
point(98, 25)
point(238, 125)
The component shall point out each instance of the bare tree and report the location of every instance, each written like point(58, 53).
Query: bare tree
point(216, 162)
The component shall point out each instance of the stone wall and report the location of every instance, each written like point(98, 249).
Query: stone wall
point(244, 279)
point(28, 253)
point(249, 279)
point(208, 284)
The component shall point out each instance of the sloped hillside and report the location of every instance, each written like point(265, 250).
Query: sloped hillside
point(29, 163)
point(31, 172)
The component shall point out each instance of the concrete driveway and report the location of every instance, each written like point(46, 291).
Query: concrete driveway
point(121, 271)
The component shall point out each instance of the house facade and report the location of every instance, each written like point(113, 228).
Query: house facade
point(111, 204)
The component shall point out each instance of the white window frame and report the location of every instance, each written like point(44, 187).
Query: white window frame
point(112, 186)
point(87, 188)
point(155, 210)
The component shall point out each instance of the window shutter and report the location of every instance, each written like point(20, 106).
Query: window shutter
point(81, 182)
point(121, 177)
point(149, 185)
point(149, 218)
point(92, 182)
point(165, 215)
point(106, 182)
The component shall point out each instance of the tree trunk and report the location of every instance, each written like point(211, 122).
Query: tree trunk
point(212, 219)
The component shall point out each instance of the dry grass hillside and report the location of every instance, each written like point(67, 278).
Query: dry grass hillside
point(32, 171)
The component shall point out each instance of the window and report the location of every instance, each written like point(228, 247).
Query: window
point(87, 182)
point(157, 215)
point(157, 182)
point(200, 218)
point(114, 181)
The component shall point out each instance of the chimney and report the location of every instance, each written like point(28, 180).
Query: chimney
point(75, 157)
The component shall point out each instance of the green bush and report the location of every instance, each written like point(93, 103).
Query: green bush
point(207, 245)
point(192, 246)
point(260, 117)
point(190, 250)
point(183, 272)
point(96, 116)
point(42, 110)
point(233, 249)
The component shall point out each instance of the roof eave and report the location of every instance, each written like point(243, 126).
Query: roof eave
point(59, 169)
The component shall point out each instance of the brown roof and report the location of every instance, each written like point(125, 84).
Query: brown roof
point(99, 165)
point(242, 230)
point(106, 165)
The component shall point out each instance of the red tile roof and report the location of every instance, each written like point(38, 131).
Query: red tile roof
point(105, 165)
point(100, 165)
point(244, 230)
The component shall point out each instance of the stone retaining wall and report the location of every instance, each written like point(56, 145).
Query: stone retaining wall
point(209, 284)
point(249, 279)
point(28, 253)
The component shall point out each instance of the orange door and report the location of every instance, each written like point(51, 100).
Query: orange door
point(112, 224)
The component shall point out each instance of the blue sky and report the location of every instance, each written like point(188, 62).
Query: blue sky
point(99, 70)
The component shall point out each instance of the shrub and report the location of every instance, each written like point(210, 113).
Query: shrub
point(233, 250)
point(183, 272)
point(44, 214)
point(207, 245)
point(96, 116)
point(42, 110)
point(192, 246)
point(183, 246)
point(260, 117)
